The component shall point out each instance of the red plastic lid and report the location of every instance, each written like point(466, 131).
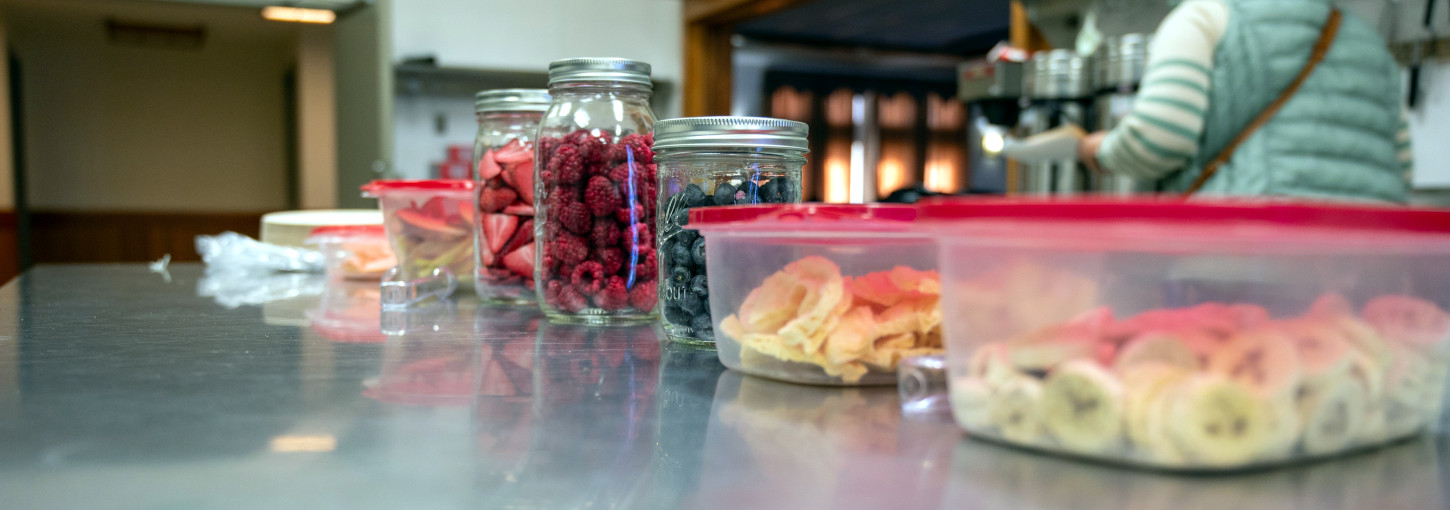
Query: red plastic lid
point(385, 185)
point(803, 216)
point(1170, 212)
point(349, 230)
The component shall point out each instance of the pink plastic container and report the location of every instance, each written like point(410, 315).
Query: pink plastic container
point(353, 252)
point(429, 224)
point(1193, 336)
point(820, 294)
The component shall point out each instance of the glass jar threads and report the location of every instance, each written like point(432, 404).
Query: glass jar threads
point(715, 161)
point(595, 190)
point(508, 120)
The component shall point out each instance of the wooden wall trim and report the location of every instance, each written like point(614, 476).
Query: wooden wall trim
point(9, 246)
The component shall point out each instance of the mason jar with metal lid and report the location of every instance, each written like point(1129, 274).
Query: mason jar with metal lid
point(715, 161)
point(594, 194)
point(503, 152)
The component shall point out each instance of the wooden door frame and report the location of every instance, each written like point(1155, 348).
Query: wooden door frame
point(709, 25)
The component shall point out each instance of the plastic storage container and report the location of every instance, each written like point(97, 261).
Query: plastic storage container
point(820, 294)
point(429, 224)
point(595, 194)
point(705, 161)
point(508, 120)
point(350, 252)
point(1193, 336)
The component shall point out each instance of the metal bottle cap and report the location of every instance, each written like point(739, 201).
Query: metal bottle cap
point(733, 132)
point(574, 70)
point(511, 100)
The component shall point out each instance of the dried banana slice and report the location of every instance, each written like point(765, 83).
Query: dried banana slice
point(1266, 361)
point(1220, 421)
point(1333, 416)
point(1174, 348)
point(1016, 410)
point(1082, 405)
point(1075, 339)
point(1409, 321)
point(1324, 354)
point(1145, 408)
point(971, 403)
point(990, 364)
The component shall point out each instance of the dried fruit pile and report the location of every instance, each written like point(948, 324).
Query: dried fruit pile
point(432, 235)
point(809, 313)
point(1215, 385)
point(599, 233)
point(506, 221)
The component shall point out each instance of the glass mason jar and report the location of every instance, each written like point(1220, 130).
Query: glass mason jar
point(503, 152)
point(594, 194)
point(709, 161)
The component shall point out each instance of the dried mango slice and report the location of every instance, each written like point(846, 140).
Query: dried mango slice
point(852, 337)
point(753, 345)
point(888, 288)
point(825, 290)
point(771, 305)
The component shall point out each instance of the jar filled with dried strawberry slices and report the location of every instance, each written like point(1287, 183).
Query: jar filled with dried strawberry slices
point(508, 121)
point(596, 191)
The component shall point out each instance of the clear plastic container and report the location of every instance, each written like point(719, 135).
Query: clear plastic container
point(429, 224)
point(820, 294)
point(1203, 336)
point(353, 252)
point(508, 120)
point(705, 161)
point(595, 194)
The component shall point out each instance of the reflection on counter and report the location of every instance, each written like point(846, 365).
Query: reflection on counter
point(232, 289)
point(1400, 477)
point(349, 311)
point(429, 358)
point(779, 445)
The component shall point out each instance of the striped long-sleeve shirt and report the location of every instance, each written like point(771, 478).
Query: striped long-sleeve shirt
point(1162, 132)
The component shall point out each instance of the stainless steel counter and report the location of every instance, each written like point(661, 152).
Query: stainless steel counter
point(121, 388)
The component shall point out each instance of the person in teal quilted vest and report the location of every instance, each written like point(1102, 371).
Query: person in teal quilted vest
point(1215, 64)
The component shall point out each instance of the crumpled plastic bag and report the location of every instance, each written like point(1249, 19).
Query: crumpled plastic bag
point(230, 251)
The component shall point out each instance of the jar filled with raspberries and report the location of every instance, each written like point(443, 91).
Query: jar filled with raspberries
point(595, 193)
point(714, 161)
point(508, 121)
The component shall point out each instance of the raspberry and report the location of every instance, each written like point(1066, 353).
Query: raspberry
point(577, 137)
point(570, 300)
point(569, 249)
point(546, 145)
point(611, 258)
point(632, 145)
point(620, 174)
point(592, 147)
point(648, 266)
point(550, 263)
point(588, 277)
point(575, 217)
point(604, 233)
point(567, 165)
point(629, 215)
point(614, 296)
point(643, 296)
point(601, 196)
point(638, 236)
point(551, 292)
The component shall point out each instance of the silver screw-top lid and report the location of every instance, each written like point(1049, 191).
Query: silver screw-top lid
point(732, 132)
point(573, 70)
point(512, 100)
point(1060, 74)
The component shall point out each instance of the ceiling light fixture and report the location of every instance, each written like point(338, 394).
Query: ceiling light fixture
point(298, 14)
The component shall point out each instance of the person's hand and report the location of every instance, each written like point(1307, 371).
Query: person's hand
point(1087, 150)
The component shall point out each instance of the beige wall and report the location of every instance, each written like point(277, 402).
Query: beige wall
point(130, 128)
point(316, 119)
point(7, 155)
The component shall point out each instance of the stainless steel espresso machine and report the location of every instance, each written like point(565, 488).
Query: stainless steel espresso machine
point(1120, 64)
point(1059, 85)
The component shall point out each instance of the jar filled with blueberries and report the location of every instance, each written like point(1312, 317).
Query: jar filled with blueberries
point(714, 161)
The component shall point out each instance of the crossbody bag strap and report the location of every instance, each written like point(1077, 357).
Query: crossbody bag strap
point(1326, 39)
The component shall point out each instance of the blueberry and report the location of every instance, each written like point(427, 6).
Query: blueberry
point(787, 193)
point(701, 323)
point(687, 237)
point(698, 250)
point(694, 196)
point(678, 316)
point(751, 195)
point(724, 194)
point(691, 303)
point(700, 285)
point(680, 276)
point(770, 192)
point(680, 255)
point(667, 249)
point(682, 217)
